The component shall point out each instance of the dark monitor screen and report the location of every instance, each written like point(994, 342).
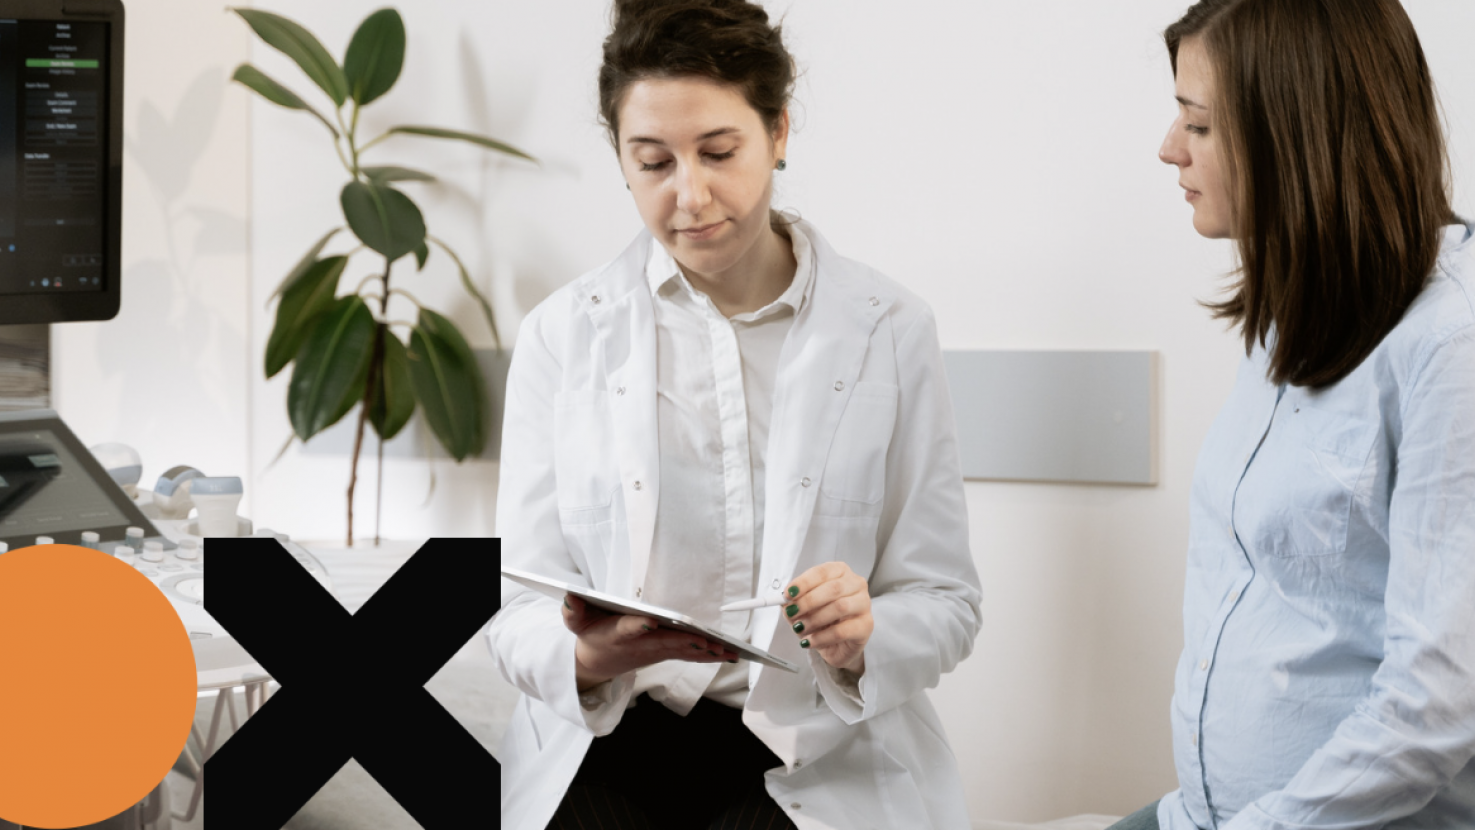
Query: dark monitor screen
point(60, 161)
point(50, 485)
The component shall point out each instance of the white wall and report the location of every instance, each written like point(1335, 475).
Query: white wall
point(997, 157)
point(168, 374)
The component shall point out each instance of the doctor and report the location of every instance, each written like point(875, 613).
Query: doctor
point(729, 409)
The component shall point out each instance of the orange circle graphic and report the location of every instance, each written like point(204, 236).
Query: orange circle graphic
point(97, 686)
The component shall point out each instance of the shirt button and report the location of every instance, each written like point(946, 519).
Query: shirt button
point(637, 593)
point(873, 301)
point(1203, 665)
point(798, 763)
point(637, 485)
point(839, 385)
point(804, 482)
point(594, 299)
point(1193, 739)
point(620, 390)
point(793, 805)
point(1233, 595)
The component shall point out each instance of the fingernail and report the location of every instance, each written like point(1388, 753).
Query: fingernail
point(799, 627)
point(793, 590)
point(804, 644)
point(791, 610)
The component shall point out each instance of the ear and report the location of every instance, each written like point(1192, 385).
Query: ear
point(781, 135)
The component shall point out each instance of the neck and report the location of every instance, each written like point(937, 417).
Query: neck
point(755, 280)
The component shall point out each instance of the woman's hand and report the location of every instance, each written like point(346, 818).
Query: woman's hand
point(831, 613)
point(612, 644)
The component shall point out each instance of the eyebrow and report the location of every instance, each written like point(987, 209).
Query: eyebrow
point(1187, 103)
point(645, 139)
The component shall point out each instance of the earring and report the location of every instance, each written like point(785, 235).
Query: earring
point(782, 165)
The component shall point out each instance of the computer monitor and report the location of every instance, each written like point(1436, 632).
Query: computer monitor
point(61, 159)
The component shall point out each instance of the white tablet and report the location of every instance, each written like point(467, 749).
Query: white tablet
point(667, 618)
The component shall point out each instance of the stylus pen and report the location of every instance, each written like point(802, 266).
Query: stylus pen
point(750, 604)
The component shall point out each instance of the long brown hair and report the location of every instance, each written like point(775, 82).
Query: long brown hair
point(1338, 173)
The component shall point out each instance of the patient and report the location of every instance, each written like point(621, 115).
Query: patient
point(1328, 670)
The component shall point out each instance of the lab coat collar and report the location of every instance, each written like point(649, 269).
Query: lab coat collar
point(820, 362)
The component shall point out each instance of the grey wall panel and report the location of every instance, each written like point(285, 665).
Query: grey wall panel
point(1081, 417)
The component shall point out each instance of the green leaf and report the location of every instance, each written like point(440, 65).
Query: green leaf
point(307, 297)
point(383, 218)
point(394, 393)
point(331, 367)
point(486, 307)
point(457, 135)
point(384, 175)
point(422, 253)
point(307, 261)
point(301, 46)
point(448, 385)
point(256, 80)
point(375, 55)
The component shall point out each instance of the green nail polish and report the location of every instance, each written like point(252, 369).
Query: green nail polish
point(733, 660)
point(799, 627)
point(644, 626)
point(695, 646)
point(793, 590)
point(566, 605)
point(713, 653)
point(791, 610)
point(804, 644)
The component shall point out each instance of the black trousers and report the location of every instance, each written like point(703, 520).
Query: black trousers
point(660, 771)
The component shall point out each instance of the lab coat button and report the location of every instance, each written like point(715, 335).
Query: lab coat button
point(873, 301)
point(839, 386)
point(637, 485)
point(620, 391)
point(793, 805)
point(594, 299)
point(637, 593)
point(775, 585)
point(798, 763)
point(804, 482)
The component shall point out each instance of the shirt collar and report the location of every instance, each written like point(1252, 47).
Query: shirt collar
point(661, 269)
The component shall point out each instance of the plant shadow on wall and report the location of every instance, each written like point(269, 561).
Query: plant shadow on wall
point(346, 350)
point(168, 293)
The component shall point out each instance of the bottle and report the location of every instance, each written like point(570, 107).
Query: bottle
point(125, 553)
point(90, 539)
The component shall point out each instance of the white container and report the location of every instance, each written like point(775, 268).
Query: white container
point(217, 499)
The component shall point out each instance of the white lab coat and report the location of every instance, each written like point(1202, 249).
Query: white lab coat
point(862, 467)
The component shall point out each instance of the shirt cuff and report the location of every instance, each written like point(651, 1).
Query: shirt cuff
point(604, 705)
point(841, 689)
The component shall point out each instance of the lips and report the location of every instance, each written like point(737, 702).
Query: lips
point(701, 231)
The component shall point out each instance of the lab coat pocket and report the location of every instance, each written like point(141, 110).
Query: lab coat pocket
point(583, 452)
point(1319, 473)
point(855, 470)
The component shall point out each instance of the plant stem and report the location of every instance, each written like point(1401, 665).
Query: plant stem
point(371, 383)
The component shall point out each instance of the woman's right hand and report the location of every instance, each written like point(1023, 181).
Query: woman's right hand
point(611, 644)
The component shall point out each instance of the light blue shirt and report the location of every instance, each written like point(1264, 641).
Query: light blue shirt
point(1328, 669)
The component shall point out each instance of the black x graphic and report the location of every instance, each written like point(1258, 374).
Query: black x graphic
point(352, 685)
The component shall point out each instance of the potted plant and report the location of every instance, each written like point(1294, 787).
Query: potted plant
point(342, 348)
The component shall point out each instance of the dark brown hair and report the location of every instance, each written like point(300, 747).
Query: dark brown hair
point(728, 41)
point(1337, 171)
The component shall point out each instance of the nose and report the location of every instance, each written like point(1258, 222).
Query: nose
point(692, 191)
point(1173, 150)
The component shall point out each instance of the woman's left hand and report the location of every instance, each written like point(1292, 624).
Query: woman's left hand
point(830, 610)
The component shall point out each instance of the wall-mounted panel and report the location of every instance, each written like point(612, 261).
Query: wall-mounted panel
point(1078, 417)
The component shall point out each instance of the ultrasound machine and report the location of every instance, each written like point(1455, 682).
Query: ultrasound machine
point(61, 159)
